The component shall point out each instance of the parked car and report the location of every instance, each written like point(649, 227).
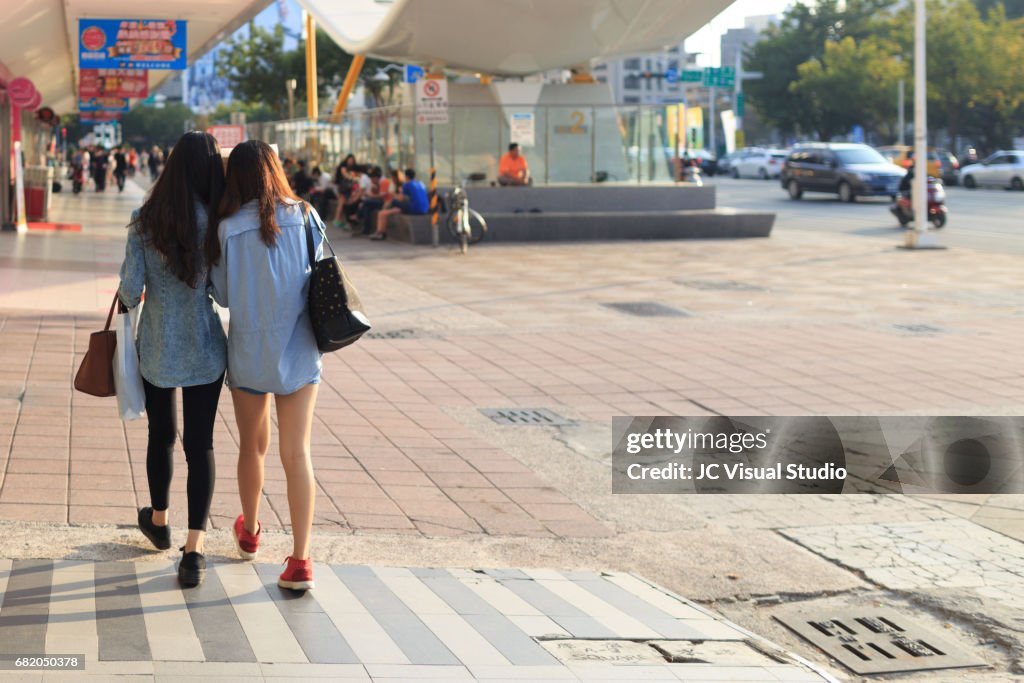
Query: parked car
point(848, 169)
point(1002, 169)
point(763, 164)
point(726, 163)
point(941, 163)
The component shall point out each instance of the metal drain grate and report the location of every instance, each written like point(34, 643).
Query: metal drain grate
point(526, 416)
point(877, 640)
point(720, 285)
point(394, 334)
point(919, 329)
point(647, 309)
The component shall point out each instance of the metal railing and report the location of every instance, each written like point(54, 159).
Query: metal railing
point(569, 143)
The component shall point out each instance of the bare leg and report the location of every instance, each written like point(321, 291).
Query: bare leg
point(252, 415)
point(295, 425)
point(382, 218)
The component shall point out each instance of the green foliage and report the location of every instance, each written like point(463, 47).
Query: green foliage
point(830, 67)
point(257, 66)
point(853, 83)
point(1014, 8)
point(145, 126)
point(802, 36)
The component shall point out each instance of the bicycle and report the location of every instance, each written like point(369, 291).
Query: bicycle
point(465, 225)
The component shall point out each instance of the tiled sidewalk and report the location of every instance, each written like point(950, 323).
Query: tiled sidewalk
point(369, 623)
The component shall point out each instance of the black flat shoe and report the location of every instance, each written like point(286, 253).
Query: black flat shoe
point(159, 536)
point(191, 569)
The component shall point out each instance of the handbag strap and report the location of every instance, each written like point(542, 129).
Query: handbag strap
point(110, 315)
point(306, 215)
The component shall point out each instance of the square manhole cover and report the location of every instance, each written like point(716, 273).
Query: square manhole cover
point(877, 640)
point(647, 309)
point(919, 329)
point(720, 285)
point(526, 416)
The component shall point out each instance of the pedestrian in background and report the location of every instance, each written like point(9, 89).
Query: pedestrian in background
point(180, 337)
point(261, 270)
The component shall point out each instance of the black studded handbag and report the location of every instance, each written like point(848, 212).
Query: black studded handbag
point(334, 305)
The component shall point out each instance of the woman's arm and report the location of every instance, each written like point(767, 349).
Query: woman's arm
point(219, 274)
point(133, 269)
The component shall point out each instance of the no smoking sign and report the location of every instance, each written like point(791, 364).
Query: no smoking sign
point(432, 101)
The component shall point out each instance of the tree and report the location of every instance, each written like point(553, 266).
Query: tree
point(801, 36)
point(1014, 8)
point(853, 83)
point(256, 66)
point(145, 126)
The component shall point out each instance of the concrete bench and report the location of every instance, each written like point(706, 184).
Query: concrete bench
point(598, 225)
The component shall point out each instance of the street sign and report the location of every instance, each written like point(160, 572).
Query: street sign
point(741, 105)
point(413, 73)
point(432, 101)
point(132, 44)
point(672, 76)
point(692, 76)
point(719, 77)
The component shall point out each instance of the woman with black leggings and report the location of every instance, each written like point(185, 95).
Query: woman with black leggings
point(180, 337)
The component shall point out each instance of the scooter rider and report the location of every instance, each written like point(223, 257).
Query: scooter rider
point(907, 184)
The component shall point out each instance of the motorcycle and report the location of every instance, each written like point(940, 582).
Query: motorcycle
point(903, 207)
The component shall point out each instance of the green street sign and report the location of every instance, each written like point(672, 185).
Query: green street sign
point(692, 76)
point(741, 105)
point(719, 77)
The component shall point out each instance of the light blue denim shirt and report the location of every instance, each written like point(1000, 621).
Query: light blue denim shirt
point(180, 337)
point(271, 347)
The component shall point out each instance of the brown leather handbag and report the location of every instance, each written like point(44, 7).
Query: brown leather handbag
point(96, 373)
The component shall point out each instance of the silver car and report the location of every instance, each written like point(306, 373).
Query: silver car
point(1002, 169)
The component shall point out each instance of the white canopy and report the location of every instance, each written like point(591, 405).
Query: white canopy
point(509, 37)
point(39, 38)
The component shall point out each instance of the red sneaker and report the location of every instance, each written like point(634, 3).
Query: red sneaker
point(248, 544)
point(298, 575)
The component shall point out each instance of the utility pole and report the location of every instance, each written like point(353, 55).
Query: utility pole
point(290, 87)
point(901, 114)
point(920, 237)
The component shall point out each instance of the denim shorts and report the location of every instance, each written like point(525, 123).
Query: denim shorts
point(264, 393)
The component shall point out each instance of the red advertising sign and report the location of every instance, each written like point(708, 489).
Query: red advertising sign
point(21, 91)
point(113, 83)
point(227, 136)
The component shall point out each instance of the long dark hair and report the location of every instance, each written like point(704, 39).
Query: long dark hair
point(193, 172)
point(254, 173)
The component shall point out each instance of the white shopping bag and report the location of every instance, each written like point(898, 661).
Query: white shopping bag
point(131, 397)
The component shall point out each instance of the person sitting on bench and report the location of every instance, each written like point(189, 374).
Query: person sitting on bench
point(513, 169)
point(411, 200)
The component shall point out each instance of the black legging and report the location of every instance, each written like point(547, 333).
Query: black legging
point(199, 408)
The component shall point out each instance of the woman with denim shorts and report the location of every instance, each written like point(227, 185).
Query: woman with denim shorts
point(260, 270)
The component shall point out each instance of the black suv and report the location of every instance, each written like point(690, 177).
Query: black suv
point(847, 169)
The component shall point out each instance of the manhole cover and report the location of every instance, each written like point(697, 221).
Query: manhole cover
point(879, 640)
point(394, 334)
point(525, 416)
point(919, 329)
point(647, 309)
point(720, 285)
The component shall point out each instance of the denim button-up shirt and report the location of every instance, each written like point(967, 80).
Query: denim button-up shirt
point(271, 347)
point(180, 336)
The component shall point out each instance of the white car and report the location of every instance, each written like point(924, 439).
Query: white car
point(1002, 169)
point(764, 164)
